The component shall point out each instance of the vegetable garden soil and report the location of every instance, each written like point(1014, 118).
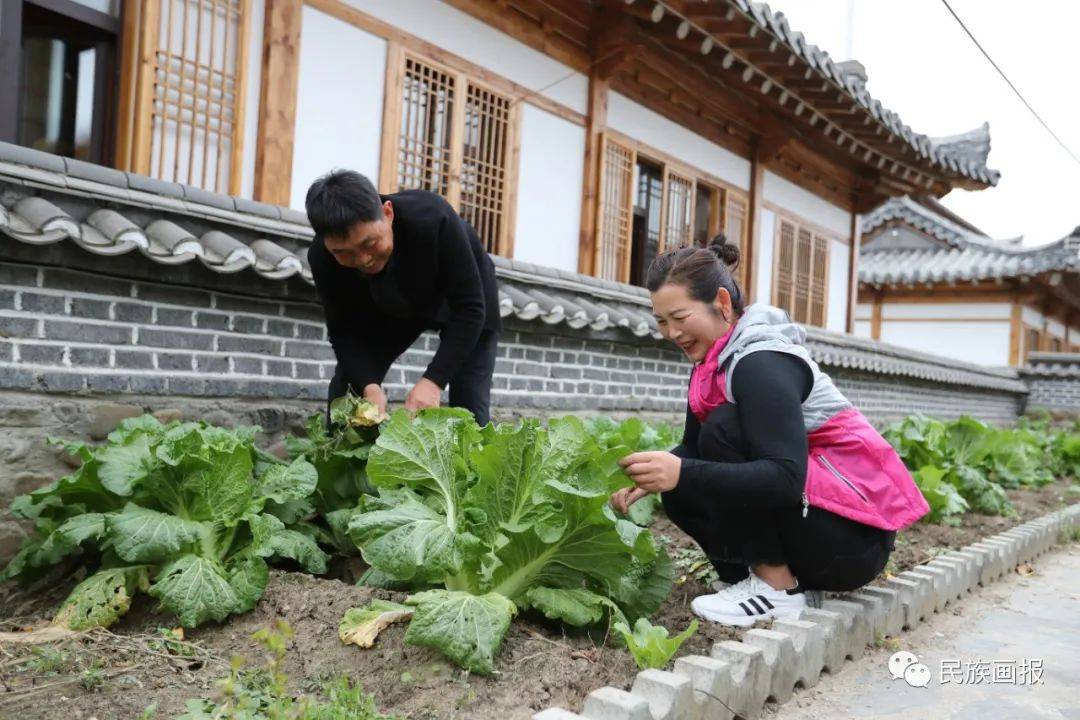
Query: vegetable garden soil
point(117, 674)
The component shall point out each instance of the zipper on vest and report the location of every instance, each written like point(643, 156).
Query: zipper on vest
point(829, 466)
point(805, 505)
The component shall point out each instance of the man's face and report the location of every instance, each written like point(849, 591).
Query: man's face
point(367, 246)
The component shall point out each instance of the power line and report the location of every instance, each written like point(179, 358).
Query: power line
point(1010, 83)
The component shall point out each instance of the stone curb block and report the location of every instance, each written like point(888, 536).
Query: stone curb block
point(993, 562)
point(858, 633)
point(1008, 550)
point(936, 579)
point(749, 677)
point(875, 609)
point(610, 703)
point(712, 683)
point(778, 651)
point(834, 645)
point(915, 599)
point(954, 578)
point(971, 567)
point(893, 609)
point(670, 696)
point(808, 639)
point(741, 676)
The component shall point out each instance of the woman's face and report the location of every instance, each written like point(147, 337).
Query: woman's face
point(691, 324)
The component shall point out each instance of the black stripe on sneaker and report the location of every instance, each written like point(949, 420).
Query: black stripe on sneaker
point(757, 607)
point(765, 600)
point(746, 609)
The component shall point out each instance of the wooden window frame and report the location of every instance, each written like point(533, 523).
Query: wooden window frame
point(397, 55)
point(816, 234)
point(724, 193)
point(138, 93)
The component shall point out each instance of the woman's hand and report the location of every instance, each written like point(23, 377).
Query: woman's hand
point(654, 471)
point(623, 498)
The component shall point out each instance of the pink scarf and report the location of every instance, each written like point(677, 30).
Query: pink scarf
point(706, 386)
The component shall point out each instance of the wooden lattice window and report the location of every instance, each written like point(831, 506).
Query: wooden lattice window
point(483, 168)
point(801, 275)
point(427, 109)
point(678, 214)
point(735, 228)
point(670, 206)
point(455, 137)
point(187, 105)
point(615, 211)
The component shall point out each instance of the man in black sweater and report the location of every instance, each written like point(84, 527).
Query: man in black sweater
point(388, 267)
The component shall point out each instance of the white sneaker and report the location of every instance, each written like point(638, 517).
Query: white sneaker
point(746, 602)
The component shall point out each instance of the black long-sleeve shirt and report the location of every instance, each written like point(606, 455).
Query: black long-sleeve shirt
point(769, 389)
point(439, 276)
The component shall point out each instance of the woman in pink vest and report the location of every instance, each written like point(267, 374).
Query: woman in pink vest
point(783, 483)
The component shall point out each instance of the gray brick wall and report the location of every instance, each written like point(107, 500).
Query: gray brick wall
point(1054, 379)
point(73, 332)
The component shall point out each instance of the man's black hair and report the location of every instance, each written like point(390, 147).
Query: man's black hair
point(340, 199)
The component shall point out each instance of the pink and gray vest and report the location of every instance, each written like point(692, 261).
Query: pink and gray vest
point(851, 471)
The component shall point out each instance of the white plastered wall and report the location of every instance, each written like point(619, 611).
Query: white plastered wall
point(863, 328)
point(1055, 328)
point(765, 248)
point(479, 43)
point(339, 103)
point(549, 190)
point(985, 343)
point(642, 124)
point(839, 255)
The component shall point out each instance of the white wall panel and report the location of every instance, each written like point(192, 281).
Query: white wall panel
point(339, 102)
point(655, 130)
point(478, 42)
point(763, 284)
point(253, 90)
point(839, 254)
point(985, 343)
point(989, 311)
point(549, 190)
point(806, 205)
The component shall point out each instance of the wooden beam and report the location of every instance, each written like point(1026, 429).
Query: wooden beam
point(753, 215)
point(853, 271)
point(595, 122)
point(277, 101)
point(551, 36)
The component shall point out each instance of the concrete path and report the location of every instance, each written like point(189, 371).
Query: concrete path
point(1000, 629)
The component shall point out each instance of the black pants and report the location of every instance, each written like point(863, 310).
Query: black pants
point(823, 550)
point(470, 387)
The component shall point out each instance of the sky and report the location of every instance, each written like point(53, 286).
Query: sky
point(922, 65)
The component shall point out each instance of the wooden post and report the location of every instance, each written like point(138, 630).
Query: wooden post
point(143, 122)
point(1016, 329)
point(277, 101)
point(853, 270)
point(753, 221)
point(875, 317)
point(595, 122)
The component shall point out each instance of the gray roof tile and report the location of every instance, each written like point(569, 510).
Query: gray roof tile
point(97, 173)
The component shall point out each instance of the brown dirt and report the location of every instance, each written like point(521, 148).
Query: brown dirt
point(541, 664)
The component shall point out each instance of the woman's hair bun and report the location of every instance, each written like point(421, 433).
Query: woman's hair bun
point(728, 253)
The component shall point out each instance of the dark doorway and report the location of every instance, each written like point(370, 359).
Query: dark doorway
point(645, 235)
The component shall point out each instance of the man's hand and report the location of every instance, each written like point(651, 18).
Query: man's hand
point(653, 471)
point(425, 394)
point(374, 394)
point(623, 498)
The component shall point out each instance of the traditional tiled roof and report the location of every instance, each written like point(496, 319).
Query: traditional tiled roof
point(963, 154)
point(952, 252)
point(1046, 364)
point(45, 199)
